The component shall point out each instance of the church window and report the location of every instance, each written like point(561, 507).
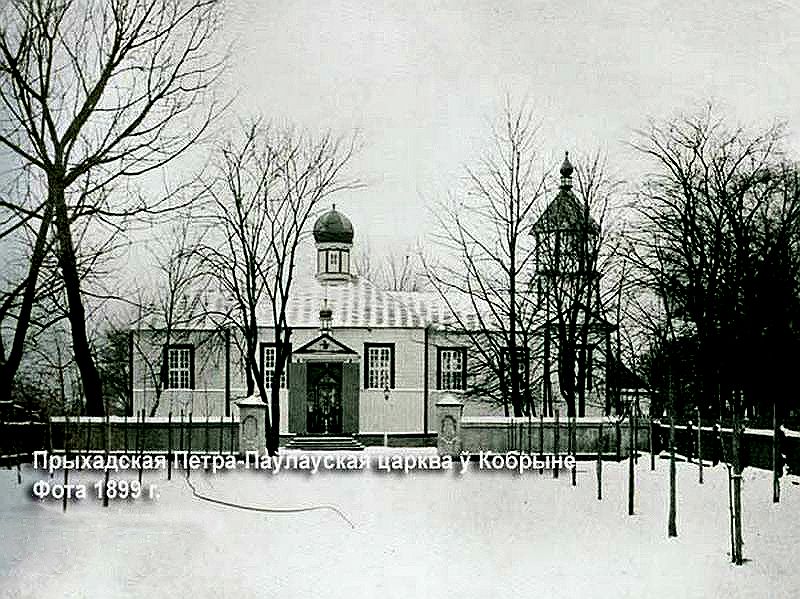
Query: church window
point(333, 261)
point(179, 367)
point(268, 362)
point(451, 368)
point(379, 371)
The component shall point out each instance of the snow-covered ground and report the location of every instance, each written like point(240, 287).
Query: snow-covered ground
point(482, 534)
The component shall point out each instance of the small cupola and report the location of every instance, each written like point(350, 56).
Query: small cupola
point(333, 234)
point(566, 171)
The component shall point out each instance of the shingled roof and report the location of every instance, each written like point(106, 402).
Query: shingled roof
point(356, 303)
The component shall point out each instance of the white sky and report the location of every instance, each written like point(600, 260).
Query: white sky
point(421, 80)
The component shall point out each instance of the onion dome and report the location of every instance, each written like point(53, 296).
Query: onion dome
point(333, 227)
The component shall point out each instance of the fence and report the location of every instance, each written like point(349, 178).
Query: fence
point(579, 436)
point(153, 434)
point(755, 449)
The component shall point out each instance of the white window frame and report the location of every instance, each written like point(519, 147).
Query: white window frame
point(451, 368)
point(179, 367)
point(379, 360)
point(269, 357)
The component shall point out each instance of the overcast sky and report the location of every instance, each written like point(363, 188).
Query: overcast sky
point(422, 80)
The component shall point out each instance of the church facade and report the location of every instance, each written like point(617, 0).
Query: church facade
point(363, 361)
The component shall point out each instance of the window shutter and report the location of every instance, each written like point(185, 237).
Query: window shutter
point(391, 366)
point(464, 369)
point(164, 375)
point(366, 366)
point(287, 360)
point(191, 367)
point(439, 368)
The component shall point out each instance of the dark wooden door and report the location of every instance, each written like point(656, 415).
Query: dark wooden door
point(297, 397)
point(350, 397)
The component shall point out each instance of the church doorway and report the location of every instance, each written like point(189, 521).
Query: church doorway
point(324, 398)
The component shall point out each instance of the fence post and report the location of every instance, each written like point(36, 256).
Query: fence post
point(141, 445)
point(108, 447)
point(88, 445)
point(600, 461)
point(3, 437)
point(17, 450)
point(776, 452)
point(66, 458)
point(221, 428)
point(556, 448)
point(50, 438)
point(78, 434)
point(169, 445)
point(652, 445)
point(541, 439)
point(231, 433)
point(574, 443)
point(189, 454)
point(699, 446)
point(636, 430)
point(631, 453)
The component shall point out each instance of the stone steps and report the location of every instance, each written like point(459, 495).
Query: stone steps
point(325, 443)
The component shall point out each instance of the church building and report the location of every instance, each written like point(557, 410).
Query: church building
point(363, 361)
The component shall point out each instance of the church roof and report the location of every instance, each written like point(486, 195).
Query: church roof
point(355, 303)
point(565, 212)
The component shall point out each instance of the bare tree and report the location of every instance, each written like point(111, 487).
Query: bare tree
point(176, 303)
point(719, 231)
point(392, 271)
point(270, 183)
point(26, 234)
point(484, 277)
point(102, 90)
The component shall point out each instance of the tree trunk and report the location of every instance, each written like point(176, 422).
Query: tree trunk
point(90, 377)
point(632, 453)
point(9, 367)
point(737, 490)
point(776, 453)
point(672, 527)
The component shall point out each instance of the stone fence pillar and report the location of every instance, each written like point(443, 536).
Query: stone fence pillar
point(448, 421)
point(252, 424)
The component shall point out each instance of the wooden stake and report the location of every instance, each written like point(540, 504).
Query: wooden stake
point(221, 427)
point(631, 453)
point(699, 446)
point(652, 445)
point(169, 445)
point(556, 448)
point(600, 462)
point(141, 444)
point(189, 454)
point(574, 451)
point(108, 447)
point(66, 459)
point(231, 436)
point(672, 529)
point(541, 440)
point(776, 453)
